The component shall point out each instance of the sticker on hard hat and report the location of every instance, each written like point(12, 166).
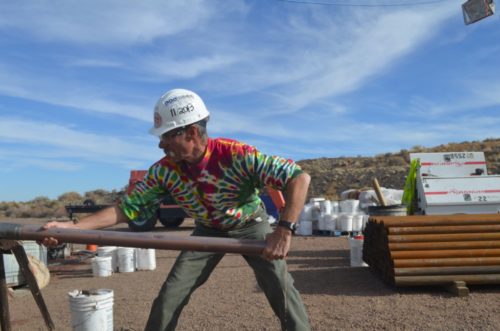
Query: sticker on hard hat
point(178, 98)
point(158, 120)
point(182, 110)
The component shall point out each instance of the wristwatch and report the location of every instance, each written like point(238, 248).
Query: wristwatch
point(289, 225)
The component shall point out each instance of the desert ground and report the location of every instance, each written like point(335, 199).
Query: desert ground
point(336, 296)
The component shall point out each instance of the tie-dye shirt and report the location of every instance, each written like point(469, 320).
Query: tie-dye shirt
point(221, 191)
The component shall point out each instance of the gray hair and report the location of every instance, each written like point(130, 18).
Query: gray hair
point(202, 128)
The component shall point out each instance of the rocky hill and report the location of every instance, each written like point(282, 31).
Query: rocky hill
point(331, 176)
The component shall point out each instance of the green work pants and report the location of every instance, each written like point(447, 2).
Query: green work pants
point(192, 269)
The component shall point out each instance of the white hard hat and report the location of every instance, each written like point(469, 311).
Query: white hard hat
point(177, 108)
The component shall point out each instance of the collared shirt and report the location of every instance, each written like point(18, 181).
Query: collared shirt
point(221, 191)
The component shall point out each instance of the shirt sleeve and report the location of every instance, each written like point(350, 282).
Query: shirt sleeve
point(144, 200)
point(271, 171)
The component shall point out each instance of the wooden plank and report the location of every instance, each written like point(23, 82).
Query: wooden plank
point(4, 298)
point(22, 260)
point(458, 288)
point(446, 280)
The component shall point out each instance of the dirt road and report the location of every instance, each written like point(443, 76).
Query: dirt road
point(337, 296)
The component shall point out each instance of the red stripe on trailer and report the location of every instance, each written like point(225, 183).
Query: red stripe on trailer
point(462, 192)
point(451, 162)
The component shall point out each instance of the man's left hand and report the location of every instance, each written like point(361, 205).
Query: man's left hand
point(277, 244)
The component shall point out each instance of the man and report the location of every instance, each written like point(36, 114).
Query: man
point(216, 181)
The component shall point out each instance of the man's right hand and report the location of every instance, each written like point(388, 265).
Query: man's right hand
point(50, 241)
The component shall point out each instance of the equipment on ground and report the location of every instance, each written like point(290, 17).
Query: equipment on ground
point(455, 182)
point(88, 206)
point(434, 250)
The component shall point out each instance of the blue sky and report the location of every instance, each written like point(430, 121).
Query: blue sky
point(79, 79)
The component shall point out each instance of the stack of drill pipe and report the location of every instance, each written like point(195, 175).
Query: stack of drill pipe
point(434, 250)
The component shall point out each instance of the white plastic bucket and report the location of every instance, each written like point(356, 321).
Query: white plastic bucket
point(306, 213)
point(145, 258)
point(326, 207)
point(321, 223)
point(357, 222)
point(356, 247)
point(350, 206)
point(126, 262)
point(316, 208)
point(91, 310)
point(329, 220)
point(102, 266)
point(345, 222)
point(305, 228)
point(109, 251)
point(335, 207)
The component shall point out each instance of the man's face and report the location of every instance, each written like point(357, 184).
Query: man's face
point(176, 145)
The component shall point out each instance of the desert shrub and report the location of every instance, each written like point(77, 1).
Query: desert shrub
point(396, 161)
point(40, 212)
point(70, 197)
point(98, 196)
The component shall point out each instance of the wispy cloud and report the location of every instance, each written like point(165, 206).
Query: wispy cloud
point(13, 162)
point(335, 63)
point(95, 63)
point(366, 47)
point(62, 92)
point(307, 58)
point(472, 96)
point(69, 144)
point(105, 23)
point(161, 66)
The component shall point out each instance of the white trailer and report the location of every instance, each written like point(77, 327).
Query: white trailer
point(456, 183)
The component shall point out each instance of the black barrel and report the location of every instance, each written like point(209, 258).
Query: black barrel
point(392, 210)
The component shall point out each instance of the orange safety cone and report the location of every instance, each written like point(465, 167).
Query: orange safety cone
point(91, 247)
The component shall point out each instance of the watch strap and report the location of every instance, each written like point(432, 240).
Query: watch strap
point(289, 225)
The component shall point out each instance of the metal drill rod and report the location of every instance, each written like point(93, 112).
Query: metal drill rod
point(443, 237)
point(134, 239)
point(429, 220)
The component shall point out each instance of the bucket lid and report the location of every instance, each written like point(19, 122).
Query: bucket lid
point(90, 293)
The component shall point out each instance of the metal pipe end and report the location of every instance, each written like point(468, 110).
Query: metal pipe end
point(10, 231)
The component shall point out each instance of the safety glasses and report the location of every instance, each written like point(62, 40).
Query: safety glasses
point(172, 134)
